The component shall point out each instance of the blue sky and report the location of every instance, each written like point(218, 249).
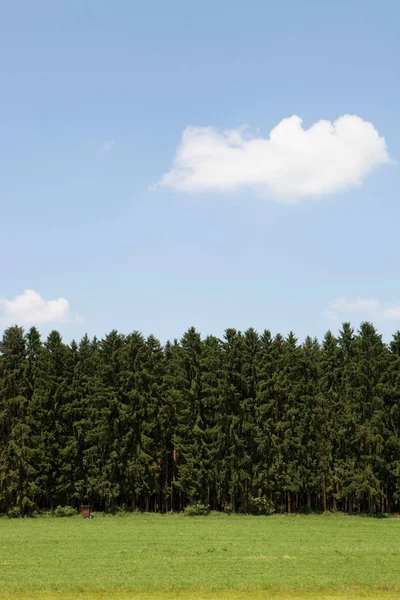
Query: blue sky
point(95, 96)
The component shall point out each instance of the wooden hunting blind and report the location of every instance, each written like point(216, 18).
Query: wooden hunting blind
point(85, 511)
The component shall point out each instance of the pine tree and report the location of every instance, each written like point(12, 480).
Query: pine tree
point(81, 417)
point(233, 459)
point(392, 417)
point(104, 412)
point(211, 363)
point(310, 420)
point(265, 421)
point(16, 468)
point(189, 440)
point(371, 431)
point(50, 388)
point(326, 418)
point(173, 398)
point(347, 454)
point(251, 354)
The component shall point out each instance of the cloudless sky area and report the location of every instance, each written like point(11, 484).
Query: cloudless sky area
point(94, 98)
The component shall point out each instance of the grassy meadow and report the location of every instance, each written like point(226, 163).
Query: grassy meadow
point(163, 557)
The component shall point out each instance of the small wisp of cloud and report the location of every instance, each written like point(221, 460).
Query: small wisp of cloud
point(106, 147)
point(291, 164)
point(30, 308)
point(341, 308)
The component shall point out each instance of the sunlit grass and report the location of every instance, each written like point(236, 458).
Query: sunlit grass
point(350, 594)
point(155, 557)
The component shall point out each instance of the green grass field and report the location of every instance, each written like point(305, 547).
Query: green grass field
point(227, 557)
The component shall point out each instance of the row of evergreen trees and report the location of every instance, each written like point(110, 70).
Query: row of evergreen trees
point(249, 423)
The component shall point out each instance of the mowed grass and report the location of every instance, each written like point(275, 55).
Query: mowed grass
point(156, 557)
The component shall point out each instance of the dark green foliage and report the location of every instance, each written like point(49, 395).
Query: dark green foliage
point(65, 511)
point(261, 505)
point(250, 423)
point(197, 510)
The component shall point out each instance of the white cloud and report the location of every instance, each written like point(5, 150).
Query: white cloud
point(290, 164)
point(30, 308)
point(107, 147)
point(366, 308)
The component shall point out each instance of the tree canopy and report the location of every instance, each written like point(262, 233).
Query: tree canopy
point(251, 422)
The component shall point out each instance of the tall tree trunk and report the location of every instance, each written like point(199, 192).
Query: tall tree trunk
point(350, 505)
point(166, 480)
point(371, 506)
point(173, 500)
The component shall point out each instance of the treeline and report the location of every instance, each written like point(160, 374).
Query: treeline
point(250, 423)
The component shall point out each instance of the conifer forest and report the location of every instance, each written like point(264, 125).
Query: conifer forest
point(250, 423)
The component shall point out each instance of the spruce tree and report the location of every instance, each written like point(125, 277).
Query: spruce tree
point(17, 470)
point(189, 440)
